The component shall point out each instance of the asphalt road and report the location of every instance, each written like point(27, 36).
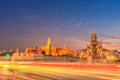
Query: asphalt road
point(52, 72)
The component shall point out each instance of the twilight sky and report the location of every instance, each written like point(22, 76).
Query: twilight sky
point(27, 23)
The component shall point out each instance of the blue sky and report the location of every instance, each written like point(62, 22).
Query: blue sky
point(27, 23)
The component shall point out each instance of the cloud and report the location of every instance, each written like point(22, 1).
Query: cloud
point(78, 42)
point(108, 36)
point(111, 46)
point(84, 43)
point(110, 42)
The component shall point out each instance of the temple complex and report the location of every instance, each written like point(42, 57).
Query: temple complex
point(48, 50)
point(95, 52)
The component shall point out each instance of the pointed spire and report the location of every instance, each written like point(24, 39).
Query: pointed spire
point(36, 48)
point(26, 50)
point(17, 50)
point(64, 46)
point(93, 37)
point(48, 46)
point(49, 41)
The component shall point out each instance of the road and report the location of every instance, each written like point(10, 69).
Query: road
point(50, 71)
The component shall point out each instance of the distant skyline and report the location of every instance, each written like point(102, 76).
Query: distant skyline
point(27, 23)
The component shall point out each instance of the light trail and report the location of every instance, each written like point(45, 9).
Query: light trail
point(66, 71)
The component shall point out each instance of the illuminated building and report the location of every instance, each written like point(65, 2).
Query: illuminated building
point(95, 52)
point(56, 51)
point(49, 50)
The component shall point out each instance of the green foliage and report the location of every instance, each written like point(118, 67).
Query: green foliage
point(7, 54)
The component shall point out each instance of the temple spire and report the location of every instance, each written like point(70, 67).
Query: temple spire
point(64, 46)
point(48, 46)
point(93, 37)
point(48, 42)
